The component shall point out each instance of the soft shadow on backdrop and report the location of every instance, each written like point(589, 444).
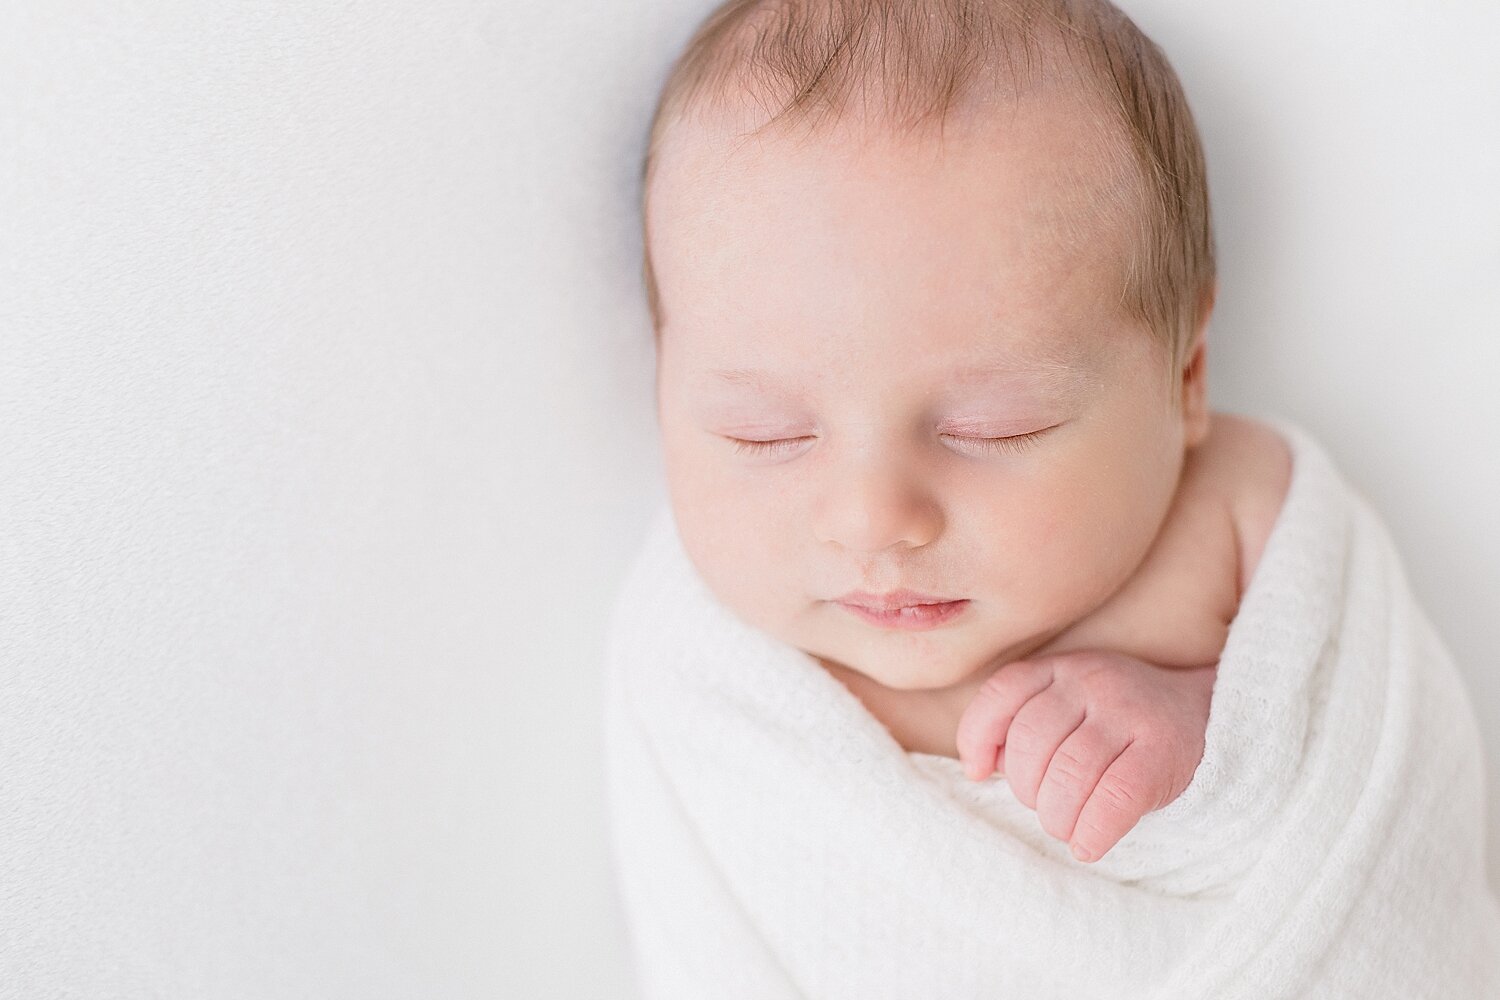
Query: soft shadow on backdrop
point(326, 433)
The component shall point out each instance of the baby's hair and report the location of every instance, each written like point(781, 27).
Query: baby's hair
point(801, 62)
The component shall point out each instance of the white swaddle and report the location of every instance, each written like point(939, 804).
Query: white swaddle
point(772, 840)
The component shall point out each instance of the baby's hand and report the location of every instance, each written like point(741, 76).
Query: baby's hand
point(1116, 738)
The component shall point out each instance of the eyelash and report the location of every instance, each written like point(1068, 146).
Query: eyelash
point(1012, 443)
point(763, 447)
point(1015, 442)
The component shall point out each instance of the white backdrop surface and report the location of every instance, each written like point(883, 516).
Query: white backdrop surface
point(326, 432)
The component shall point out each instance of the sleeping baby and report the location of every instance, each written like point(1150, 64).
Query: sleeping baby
point(931, 380)
point(972, 655)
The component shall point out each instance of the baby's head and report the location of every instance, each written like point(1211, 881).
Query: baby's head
point(887, 243)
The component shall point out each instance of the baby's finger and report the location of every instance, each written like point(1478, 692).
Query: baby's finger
point(984, 723)
point(1038, 729)
point(1126, 791)
point(1073, 773)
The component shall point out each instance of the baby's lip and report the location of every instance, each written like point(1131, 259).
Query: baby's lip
point(892, 600)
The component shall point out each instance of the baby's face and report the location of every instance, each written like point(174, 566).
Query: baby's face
point(873, 313)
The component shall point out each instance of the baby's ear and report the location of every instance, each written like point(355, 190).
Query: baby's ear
point(1194, 402)
point(1194, 392)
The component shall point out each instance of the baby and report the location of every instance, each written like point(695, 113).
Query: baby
point(930, 284)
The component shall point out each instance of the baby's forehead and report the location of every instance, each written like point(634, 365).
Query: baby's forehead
point(1030, 205)
point(1055, 157)
point(769, 373)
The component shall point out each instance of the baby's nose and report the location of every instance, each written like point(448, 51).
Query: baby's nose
point(871, 506)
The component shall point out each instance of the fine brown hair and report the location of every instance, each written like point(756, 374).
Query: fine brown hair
point(801, 62)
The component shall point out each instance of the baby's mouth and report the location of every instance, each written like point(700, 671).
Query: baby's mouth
point(892, 600)
point(912, 617)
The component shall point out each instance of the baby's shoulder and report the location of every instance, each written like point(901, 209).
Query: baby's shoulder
point(1248, 465)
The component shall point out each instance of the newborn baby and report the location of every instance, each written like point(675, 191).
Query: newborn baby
point(932, 403)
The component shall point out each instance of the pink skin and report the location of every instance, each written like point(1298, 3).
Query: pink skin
point(866, 278)
point(1092, 740)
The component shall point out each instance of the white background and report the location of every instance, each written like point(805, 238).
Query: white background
point(326, 433)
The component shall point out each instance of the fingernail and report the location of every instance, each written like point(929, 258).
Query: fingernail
point(1080, 853)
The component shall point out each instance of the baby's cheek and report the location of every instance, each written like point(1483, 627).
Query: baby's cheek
point(755, 578)
point(1056, 579)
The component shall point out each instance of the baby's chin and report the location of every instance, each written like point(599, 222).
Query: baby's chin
point(946, 657)
point(951, 657)
point(909, 673)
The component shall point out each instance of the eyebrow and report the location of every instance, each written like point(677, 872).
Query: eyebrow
point(1052, 375)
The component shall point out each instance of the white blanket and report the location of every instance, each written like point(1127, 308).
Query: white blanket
point(772, 840)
